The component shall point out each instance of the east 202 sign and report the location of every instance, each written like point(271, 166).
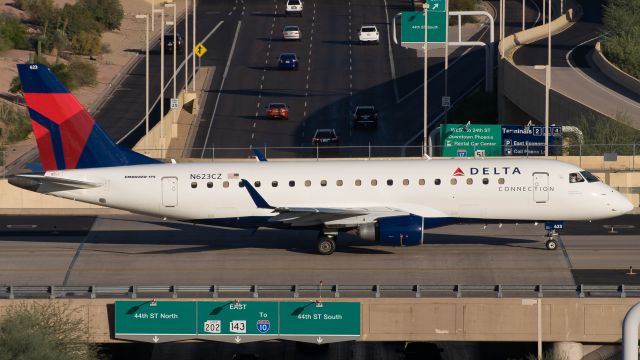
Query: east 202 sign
point(234, 321)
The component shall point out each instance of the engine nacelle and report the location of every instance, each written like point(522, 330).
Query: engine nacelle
point(395, 230)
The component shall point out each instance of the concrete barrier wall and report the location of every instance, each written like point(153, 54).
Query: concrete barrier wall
point(613, 72)
point(439, 319)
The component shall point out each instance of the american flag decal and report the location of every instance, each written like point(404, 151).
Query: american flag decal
point(233, 176)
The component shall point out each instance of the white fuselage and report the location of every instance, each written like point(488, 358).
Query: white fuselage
point(489, 189)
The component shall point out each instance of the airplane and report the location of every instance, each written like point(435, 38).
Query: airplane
point(390, 202)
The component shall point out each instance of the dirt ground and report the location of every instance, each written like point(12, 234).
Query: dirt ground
point(124, 43)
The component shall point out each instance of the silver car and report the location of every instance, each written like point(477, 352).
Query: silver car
point(291, 32)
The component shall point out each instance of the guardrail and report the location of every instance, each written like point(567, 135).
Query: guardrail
point(317, 291)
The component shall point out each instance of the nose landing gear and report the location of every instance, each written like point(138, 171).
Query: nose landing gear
point(552, 242)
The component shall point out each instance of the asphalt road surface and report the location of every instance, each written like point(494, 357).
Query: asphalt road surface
point(573, 73)
point(124, 250)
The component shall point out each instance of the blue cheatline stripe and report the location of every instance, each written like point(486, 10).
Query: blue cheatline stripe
point(54, 131)
point(37, 78)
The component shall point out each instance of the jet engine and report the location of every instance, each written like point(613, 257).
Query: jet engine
point(395, 230)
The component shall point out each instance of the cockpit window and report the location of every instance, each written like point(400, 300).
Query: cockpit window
point(589, 176)
point(575, 178)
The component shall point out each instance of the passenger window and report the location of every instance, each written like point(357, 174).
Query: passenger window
point(194, 185)
point(256, 184)
point(358, 182)
point(501, 181)
point(323, 183)
point(339, 182)
point(292, 183)
point(389, 182)
point(374, 182)
point(485, 181)
point(307, 183)
point(469, 181)
point(405, 182)
point(454, 181)
point(575, 178)
point(421, 182)
point(436, 181)
point(225, 184)
point(209, 184)
point(241, 184)
point(274, 184)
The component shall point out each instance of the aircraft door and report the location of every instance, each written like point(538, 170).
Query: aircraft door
point(540, 187)
point(170, 191)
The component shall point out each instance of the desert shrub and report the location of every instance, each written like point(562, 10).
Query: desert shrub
point(83, 73)
point(16, 123)
point(109, 13)
point(86, 43)
point(79, 19)
point(621, 40)
point(13, 33)
point(44, 330)
point(40, 11)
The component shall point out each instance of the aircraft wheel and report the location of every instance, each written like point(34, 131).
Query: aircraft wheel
point(326, 245)
point(551, 244)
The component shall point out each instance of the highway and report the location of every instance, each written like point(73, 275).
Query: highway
point(573, 73)
point(132, 249)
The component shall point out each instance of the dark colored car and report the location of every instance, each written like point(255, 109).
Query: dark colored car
point(288, 61)
point(168, 42)
point(325, 136)
point(365, 116)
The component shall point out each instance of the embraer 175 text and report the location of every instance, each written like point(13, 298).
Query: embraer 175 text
point(387, 201)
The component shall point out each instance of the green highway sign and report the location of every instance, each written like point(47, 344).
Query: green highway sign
point(412, 30)
point(237, 321)
point(465, 140)
point(324, 321)
point(157, 321)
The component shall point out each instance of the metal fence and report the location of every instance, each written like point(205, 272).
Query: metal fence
point(318, 291)
point(13, 158)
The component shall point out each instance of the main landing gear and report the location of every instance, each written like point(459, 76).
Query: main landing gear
point(326, 243)
point(552, 242)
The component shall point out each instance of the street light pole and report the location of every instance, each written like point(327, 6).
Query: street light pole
point(523, 7)
point(446, 62)
point(425, 137)
point(193, 64)
point(162, 83)
point(547, 86)
point(186, 44)
point(146, 81)
point(153, 15)
point(544, 11)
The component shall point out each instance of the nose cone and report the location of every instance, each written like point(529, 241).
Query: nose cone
point(625, 205)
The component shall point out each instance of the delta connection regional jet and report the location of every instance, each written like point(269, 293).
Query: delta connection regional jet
point(387, 201)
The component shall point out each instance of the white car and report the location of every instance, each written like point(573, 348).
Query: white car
point(293, 7)
point(369, 34)
point(291, 32)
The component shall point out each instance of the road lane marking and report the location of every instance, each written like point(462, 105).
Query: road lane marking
point(392, 64)
point(589, 79)
point(224, 76)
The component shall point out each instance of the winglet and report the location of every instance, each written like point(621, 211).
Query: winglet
point(260, 202)
point(259, 155)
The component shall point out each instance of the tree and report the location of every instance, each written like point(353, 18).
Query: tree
point(44, 330)
point(86, 43)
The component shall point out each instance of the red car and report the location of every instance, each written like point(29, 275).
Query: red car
point(277, 110)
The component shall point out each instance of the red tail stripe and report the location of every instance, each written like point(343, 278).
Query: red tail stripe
point(74, 121)
point(45, 146)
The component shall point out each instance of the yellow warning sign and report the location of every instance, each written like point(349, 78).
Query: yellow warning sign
point(200, 50)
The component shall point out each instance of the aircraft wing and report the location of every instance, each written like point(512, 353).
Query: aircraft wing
point(312, 216)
